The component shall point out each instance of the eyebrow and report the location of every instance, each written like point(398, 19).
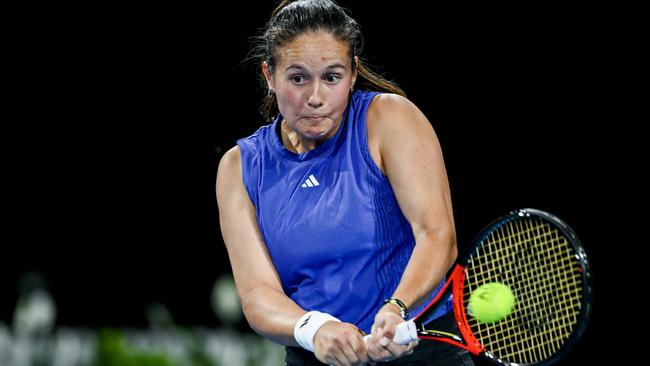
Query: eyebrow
point(329, 67)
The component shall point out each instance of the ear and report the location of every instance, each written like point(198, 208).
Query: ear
point(267, 75)
point(355, 73)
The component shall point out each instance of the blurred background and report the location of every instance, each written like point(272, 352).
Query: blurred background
point(116, 117)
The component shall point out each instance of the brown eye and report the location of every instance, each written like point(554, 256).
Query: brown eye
point(298, 79)
point(332, 78)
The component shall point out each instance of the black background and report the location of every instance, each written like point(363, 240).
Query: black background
point(117, 118)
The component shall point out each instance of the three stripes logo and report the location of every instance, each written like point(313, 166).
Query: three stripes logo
point(310, 182)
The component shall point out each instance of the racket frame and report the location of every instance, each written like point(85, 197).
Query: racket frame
point(455, 283)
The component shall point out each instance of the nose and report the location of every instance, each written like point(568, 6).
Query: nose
point(315, 99)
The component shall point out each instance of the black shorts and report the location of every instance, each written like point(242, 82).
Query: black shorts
point(426, 353)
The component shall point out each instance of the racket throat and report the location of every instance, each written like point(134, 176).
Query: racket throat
point(440, 335)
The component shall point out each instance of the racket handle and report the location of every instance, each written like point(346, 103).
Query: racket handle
point(406, 333)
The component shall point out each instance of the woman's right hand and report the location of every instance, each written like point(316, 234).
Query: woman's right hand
point(340, 344)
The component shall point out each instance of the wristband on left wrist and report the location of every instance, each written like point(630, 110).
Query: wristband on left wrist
point(403, 310)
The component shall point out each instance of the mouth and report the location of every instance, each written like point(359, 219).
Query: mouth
point(315, 118)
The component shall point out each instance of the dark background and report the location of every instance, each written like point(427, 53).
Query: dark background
point(118, 117)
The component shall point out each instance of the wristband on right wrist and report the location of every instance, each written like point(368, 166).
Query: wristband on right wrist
point(307, 326)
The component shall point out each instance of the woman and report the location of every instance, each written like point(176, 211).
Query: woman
point(337, 216)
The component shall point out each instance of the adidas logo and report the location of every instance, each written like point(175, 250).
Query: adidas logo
point(310, 182)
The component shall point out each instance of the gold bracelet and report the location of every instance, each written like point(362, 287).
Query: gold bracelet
point(400, 305)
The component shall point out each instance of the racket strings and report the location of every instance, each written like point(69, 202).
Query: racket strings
point(539, 264)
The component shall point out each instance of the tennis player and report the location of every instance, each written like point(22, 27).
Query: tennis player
point(336, 215)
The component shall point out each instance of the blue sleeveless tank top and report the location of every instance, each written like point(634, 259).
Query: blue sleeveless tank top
point(330, 219)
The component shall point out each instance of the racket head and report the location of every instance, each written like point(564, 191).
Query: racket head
point(541, 259)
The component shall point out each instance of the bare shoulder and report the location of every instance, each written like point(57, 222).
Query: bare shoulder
point(231, 159)
point(229, 170)
point(384, 106)
point(391, 116)
point(393, 123)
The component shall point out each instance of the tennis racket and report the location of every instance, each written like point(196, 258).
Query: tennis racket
point(541, 259)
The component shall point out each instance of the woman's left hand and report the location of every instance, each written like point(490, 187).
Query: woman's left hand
point(381, 347)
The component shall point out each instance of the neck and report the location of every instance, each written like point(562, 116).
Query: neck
point(293, 141)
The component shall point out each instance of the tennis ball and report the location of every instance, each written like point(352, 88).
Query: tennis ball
point(491, 302)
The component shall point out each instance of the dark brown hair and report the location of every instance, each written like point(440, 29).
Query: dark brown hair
point(293, 18)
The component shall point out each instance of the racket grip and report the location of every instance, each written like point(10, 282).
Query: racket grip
point(406, 333)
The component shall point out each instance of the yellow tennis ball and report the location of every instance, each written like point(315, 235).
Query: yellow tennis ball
point(491, 302)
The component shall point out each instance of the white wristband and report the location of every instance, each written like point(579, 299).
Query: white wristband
point(307, 326)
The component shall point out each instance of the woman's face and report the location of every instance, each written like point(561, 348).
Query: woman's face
point(312, 80)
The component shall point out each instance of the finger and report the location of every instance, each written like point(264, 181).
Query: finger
point(347, 355)
point(382, 338)
point(339, 360)
point(357, 350)
point(350, 355)
point(377, 352)
point(379, 334)
point(397, 350)
point(389, 330)
point(373, 337)
point(384, 341)
point(335, 357)
point(381, 356)
point(373, 346)
point(360, 349)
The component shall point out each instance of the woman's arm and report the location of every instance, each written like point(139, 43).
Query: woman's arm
point(405, 147)
point(268, 310)
point(407, 150)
